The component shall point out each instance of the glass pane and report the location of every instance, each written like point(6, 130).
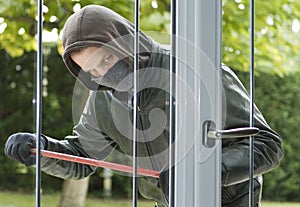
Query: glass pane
point(102, 121)
point(154, 127)
point(95, 114)
point(17, 75)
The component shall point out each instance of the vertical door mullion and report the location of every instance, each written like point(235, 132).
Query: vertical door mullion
point(198, 85)
point(38, 102)
point(172, 105)
point(136, 102)
point(251, 120)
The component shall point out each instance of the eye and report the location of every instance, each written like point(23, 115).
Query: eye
point(108, 59)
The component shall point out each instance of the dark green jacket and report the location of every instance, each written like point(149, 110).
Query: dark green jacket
point(105, 128)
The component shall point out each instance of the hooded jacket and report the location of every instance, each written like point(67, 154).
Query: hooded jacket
point(105, 128)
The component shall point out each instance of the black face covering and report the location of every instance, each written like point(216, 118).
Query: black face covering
point(119, 77)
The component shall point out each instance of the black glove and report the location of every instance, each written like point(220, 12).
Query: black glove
point(18, 147)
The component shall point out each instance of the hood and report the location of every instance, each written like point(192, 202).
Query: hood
point(99, 26)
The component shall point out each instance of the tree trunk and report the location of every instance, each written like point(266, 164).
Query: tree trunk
point(74, 193)
point(107, 182)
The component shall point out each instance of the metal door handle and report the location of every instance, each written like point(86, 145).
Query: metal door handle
point(210, 134)
point(232, 133)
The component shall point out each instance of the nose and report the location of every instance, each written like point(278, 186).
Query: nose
point(101, 70)
point(98, 72)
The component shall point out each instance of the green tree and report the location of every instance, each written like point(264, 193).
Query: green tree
point(276, 27)
point(18, 19)
point(279, 100)
point(276, 31)
point(276, 46)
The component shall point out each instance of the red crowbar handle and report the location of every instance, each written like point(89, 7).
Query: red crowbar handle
point(97, 163)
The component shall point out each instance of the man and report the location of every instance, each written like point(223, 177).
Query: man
point(98, 50)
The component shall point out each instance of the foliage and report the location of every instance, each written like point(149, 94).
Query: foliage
point(17, 110)
point(275, 35)
point(282, 97)
point(18, 19)
point(276, 95)
point(276, 27)
point(279, 100)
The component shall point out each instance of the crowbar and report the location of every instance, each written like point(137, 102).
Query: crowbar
point(97, 163)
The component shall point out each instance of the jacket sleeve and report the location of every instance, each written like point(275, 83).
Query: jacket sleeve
point(87, 141)
point(268, 150)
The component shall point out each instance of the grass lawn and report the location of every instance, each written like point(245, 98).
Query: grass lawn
point(11, 199)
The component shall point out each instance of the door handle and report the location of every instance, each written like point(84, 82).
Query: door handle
point(211, 134)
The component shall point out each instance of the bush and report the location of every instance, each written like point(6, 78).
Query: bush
point(279, 100)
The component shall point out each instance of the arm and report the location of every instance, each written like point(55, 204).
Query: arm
point(87, 141)
point(268, 150)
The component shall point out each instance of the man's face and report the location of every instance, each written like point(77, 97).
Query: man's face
point(95, 60)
